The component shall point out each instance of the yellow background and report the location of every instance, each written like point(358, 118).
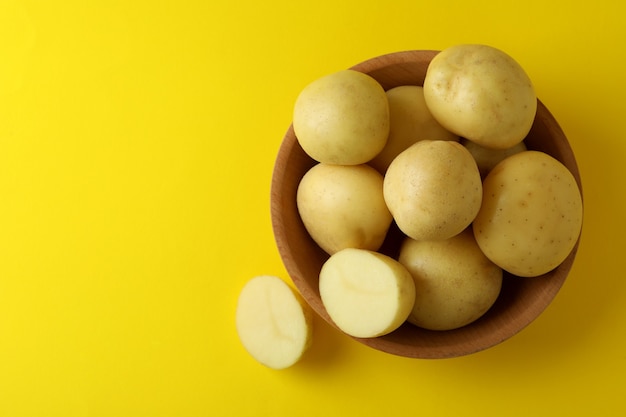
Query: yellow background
point(137, 140)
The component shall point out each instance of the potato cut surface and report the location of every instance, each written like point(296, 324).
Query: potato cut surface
point(366, 294)
point(273, 323)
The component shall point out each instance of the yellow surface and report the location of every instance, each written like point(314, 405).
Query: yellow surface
point(137, 140)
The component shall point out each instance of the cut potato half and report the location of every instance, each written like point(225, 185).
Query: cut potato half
point(273, 322)
point(366, 294)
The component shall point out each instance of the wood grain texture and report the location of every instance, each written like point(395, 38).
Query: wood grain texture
point(521, 300)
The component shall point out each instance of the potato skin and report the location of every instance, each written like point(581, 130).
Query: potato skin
point(342, 206)
point(531, 214)
point(433, 189)
point(409, 121)
point(482, 94)
point(455, 283)
point(342, 118)
point(487, 158)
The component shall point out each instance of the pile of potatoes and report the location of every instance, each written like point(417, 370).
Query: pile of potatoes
point(447, 163)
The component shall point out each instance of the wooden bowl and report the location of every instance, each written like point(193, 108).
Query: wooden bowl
point(521, 299)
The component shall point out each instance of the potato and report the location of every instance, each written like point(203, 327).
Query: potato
point(433, 189)
point(342, 118)
point(531, 214)
point(273, 322)
point(487, 158)
point(409, 121)
point(366, 294)
point(481, 94)
point(342, 206)
point(455, 283)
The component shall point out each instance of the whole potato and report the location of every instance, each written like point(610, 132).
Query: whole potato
point(481, 94)
point(342, 118)
point(409, 121)
point(455, 283)
point(433, 189)
point(531, 215)
point(487, 158)
point(342, 206)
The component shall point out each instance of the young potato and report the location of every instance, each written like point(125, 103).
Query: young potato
point(433, 189)
point(273, 322)
point(482, 94)
point(409, 121)
point(342, 118)
point(531, 214)
point(487, 158)
point(366, 294)
point(342, 206)
point(455, 283)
